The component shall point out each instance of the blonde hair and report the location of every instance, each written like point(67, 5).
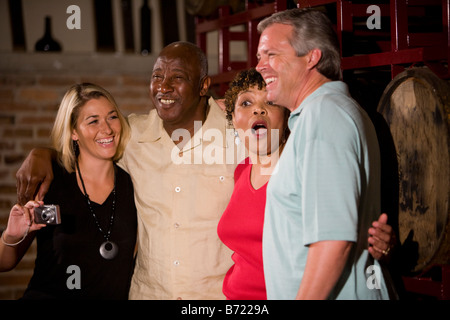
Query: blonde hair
point(66, 120)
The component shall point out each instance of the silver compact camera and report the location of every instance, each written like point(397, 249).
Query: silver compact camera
point(47, 214)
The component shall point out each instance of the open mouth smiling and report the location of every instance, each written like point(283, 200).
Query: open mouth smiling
point(270, 80)
point(105, 141)
point(167, 101)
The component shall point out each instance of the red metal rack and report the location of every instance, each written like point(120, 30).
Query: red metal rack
point(395, 45)
point(253, 13)
point(402, 46)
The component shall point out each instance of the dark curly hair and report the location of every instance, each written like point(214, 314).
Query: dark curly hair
point(243, 80)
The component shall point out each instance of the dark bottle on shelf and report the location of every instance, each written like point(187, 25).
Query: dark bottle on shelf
point(47, 43)
point(146, 25)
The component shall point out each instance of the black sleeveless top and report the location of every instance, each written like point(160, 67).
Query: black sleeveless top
point(68, 263)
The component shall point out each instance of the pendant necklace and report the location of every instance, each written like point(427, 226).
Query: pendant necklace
point(108, 249)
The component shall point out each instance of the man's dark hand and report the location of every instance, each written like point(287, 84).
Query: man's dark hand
point(35, 175)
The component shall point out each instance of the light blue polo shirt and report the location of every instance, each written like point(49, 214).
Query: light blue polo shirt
point(326, 187)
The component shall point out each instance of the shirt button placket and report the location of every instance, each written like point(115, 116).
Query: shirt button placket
point(176, 236)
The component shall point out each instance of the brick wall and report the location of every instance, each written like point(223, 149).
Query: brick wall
point(30, 93)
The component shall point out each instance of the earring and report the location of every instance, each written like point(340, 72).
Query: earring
point(237, 140)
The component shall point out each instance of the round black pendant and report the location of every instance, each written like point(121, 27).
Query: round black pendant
point(109, 250)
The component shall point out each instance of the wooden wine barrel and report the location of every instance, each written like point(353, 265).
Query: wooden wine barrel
point(416, 108)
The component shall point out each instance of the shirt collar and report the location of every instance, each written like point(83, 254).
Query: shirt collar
point(337, 87)
point(215, 120)
point(154, 130)
point(213, 129)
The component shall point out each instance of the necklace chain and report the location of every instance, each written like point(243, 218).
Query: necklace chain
point(91, 209)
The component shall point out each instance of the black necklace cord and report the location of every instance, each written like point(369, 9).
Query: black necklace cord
point(91, 209)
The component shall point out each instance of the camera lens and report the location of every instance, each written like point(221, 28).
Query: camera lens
point(47, 215)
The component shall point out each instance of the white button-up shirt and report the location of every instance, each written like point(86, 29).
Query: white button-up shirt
point(180, 197)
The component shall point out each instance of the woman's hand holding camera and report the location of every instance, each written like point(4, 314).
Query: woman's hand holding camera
point(21, 222)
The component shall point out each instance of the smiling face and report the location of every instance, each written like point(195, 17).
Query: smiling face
point(97, 130)
point(283, 71)
point(259, 122)
point(177, 86)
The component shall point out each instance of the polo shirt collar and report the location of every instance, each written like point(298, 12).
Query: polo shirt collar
point(338, 87)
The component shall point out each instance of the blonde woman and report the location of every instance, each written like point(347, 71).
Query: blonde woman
point(86, 251)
